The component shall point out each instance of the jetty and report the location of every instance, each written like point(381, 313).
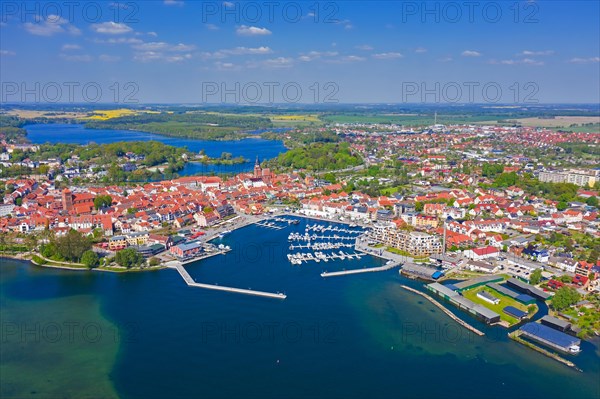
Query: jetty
point(516, 336)
point(357, 271)
point(190, 282)
point(449, 313)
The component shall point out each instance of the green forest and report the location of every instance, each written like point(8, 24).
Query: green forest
point(206, 126)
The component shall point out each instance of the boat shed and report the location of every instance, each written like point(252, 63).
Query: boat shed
point(527, 288)
point(514, 312)
point(555, 323)
point(551, 337)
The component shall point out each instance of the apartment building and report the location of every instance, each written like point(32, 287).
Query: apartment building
point(413, 242)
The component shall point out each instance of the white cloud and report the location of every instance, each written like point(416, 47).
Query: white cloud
point(211, 27)
point(108, 58)
point(7, 53)
point(470, 53)
point(536, 53)
point(111, 28)
point(50, 25)
point(524, 61)
point(252, 31)
point(69, 47)
point(173, 2)
point(364, 47)
point(119, 40)
point(347, 59)
point(147, 56)
point(161, 51)
point(590, 60)
point(420, 50)
point(162, 46)
point(279, 62)
point(153, 34)
point(224, 53)
point(387, 56)
point(76, 57)
point(314, 55)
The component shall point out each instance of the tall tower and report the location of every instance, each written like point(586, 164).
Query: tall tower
point(67, 200)
point(257, 168)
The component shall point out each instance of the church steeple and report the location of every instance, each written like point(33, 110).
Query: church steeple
point(257, 168)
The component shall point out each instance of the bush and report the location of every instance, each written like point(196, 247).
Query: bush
point(90, 259)
point(129, 257)
point(154, 262)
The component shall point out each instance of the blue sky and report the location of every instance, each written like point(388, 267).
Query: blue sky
point(346, 51)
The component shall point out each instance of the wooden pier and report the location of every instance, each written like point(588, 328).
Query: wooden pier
point(190, 282)
point(357, 271)
point(449, 313)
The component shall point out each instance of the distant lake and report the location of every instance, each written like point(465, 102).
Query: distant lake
point(249, 148)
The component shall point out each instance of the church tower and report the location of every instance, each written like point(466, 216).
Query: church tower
point(257, 168)
point(67, 200)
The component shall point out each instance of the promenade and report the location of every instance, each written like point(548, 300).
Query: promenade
point(357, 271)
point(190, 282)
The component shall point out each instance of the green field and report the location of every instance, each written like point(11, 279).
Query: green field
point(504, 301)
point(408, 119)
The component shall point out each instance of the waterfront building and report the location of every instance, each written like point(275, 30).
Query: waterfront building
point(187, 250)
point(413, 242)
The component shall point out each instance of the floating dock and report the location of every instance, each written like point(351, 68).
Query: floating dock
point(190, 282)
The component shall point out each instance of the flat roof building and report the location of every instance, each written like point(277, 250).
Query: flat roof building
point(551, 337)
point(529, 289)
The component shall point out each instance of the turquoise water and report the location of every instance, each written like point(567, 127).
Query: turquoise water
point(77, 134)
point(352, 336)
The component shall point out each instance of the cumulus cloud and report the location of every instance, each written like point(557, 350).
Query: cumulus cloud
point(420, 50)
point(111, 28)
point(589, 60)
point(387, 56)
point(51, 25)
point(314, 55)
point(252, 31)
point(524, 61)
point(162, 46)
point(470, 53)
point(119, 40)
point(173, 2)
point(530, 53)
point(279, 62)
point(346, 59)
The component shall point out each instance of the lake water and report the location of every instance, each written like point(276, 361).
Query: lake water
point(149, 335)
point(249, 148)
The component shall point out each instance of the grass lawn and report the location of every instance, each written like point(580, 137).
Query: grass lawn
point(504, 301)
